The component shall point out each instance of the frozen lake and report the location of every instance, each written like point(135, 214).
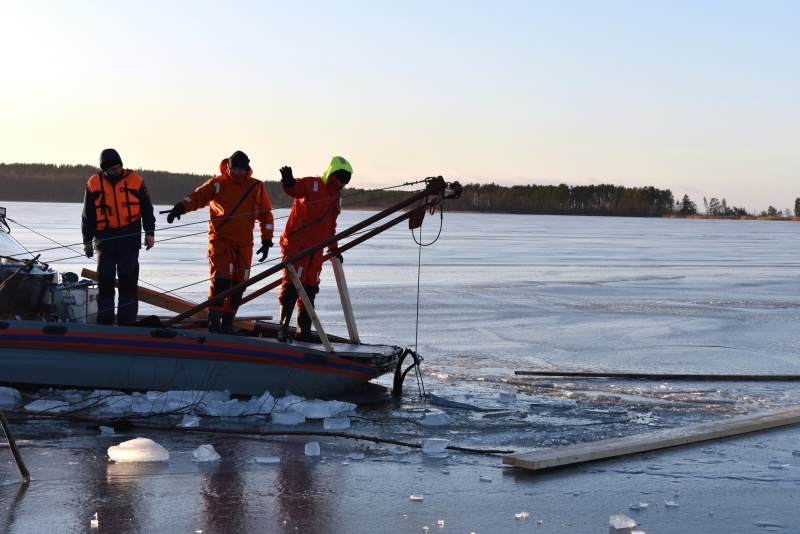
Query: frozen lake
point(493, 295)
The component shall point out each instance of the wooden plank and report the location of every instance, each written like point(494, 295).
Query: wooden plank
point(672, 437)
point(309, 308)
point(169, 302)
point(660, 376)
point(344, 296)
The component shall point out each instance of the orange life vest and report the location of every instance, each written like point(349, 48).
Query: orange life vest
point(117, 204)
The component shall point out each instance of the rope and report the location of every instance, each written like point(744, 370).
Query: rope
point(441, 224)
point(417, 371)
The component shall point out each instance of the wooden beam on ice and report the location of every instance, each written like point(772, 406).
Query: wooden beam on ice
point(661, 376)
point(672, 437)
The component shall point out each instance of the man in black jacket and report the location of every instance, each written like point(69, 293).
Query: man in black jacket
point(116, 206)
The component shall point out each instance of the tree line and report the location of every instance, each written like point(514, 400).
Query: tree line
point(66, 183)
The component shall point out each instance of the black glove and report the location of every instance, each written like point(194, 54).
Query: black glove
point(338, 254)
point(286, 177)
point(266, 244)
point(88, 249)
point(176, 212)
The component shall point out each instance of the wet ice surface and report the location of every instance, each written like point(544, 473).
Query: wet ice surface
point(497, 294)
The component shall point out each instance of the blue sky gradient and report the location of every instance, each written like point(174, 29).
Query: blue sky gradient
point(699, 97)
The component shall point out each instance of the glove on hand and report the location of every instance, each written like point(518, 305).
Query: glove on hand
point(286, 177)
point(338, 255)
point(88, 249)
point(149, 241)
point(266, 244)
point(176, 212)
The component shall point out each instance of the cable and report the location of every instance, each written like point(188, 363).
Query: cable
point(417, 371)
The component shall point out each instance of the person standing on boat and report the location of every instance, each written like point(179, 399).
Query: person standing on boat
point(316, 206)
point(235, 200)
point(116, 205)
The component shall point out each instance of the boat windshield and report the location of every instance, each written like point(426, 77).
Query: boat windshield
point(9, 247)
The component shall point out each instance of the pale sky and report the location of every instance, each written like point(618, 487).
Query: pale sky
point(699, 97)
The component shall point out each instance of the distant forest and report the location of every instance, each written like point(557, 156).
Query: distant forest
point(66, 183)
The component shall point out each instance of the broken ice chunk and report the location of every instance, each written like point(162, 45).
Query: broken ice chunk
point(312, 448)
point(619, 523)
point(774, 463)
point(336, 423)
point(437, 419)
point(47, 405)
point(138, 450)
point(287, 418)
point(434, 445)
point(189, 421)
point(206, 453)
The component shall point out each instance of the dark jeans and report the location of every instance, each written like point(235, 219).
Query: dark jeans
point(117, 260)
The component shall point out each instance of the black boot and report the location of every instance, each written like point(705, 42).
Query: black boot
point(303, 326)
point(285, 319)
point(227, 323)
point(303, 318)
point(286, 299)
point(214, 318)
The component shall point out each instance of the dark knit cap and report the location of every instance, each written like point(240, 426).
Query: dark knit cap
point(108, 158)
point(239, 159)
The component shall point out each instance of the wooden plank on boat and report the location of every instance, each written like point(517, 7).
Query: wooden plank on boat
point(171, 303)
point(344, 296)
point(672, 437)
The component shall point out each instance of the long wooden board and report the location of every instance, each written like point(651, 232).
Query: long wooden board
point(660, 376)
point(169, 302)
point(672, 437)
